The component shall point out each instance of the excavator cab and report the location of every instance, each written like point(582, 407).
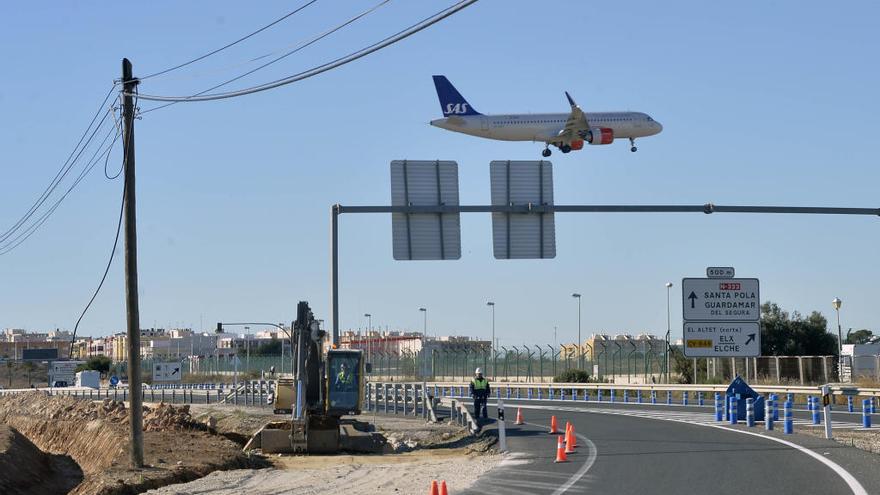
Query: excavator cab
point(345, 381)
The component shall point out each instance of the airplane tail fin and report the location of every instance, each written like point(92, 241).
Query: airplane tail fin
point(451, 101)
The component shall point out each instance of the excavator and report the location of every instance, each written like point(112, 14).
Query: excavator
point(326, 386)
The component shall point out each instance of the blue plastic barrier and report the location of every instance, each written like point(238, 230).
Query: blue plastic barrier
point(732, 415)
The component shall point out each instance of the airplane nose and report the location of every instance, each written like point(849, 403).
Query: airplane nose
point(658, 126)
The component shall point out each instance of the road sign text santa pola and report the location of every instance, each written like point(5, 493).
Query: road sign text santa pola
point(721, 299)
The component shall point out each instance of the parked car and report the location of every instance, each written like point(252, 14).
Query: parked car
point(59, 384)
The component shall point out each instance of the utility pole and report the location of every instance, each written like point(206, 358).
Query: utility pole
point(135, 399)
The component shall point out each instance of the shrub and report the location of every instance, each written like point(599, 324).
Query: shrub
point(572, 376)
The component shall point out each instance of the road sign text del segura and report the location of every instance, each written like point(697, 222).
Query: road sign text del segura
point(721, 299)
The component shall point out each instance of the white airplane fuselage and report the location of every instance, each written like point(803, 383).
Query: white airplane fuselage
point(546, 127)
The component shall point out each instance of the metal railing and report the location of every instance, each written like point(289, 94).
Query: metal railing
point(641, 393)
point(248, 393)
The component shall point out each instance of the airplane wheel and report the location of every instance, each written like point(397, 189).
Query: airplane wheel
point(546, 152)
point(565, 148)
point(633, 149)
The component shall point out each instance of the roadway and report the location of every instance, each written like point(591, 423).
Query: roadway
point(627, 448)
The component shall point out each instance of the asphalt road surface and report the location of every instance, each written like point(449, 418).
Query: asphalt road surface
point(630, 449)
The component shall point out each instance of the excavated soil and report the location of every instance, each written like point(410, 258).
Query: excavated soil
point(28, 470)
point(95, 435)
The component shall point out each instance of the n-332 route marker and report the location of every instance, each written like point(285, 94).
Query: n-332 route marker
point(721, 316)
point(721, 299)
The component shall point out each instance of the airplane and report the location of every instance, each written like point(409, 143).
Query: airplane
point(566, 131)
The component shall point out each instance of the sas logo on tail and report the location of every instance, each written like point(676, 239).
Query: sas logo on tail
point(457, 108)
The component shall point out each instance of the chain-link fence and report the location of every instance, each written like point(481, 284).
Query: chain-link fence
point(213, 366)
point(614, 364)
point(535, 363)
point(516, 364)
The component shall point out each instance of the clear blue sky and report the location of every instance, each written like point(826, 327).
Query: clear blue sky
point(761, 102)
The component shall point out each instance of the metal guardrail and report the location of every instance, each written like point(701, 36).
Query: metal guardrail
point(408, 399)
point(543, 391)
point(250, 394)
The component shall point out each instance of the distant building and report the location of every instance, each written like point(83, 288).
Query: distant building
point(860, 361)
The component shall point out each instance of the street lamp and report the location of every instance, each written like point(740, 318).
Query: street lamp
point(424, 321)
point(424, 333)
point(668, 329)
point(579, 352)
point(492, 344)
point(369, 334)
point(247, 344)
point(836, 303)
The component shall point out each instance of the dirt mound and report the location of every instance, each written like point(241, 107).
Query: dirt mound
point(163, 417)
point(95, 435)
point(28, 470)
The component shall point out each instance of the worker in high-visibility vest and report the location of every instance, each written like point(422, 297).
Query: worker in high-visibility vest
point(344, 379)
point(480, 392)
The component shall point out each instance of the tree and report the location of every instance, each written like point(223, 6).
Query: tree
point(784, 334)
point(858, 337)
point(97, 363)
point(29, 367)
point(271, 348)
point(681, 365)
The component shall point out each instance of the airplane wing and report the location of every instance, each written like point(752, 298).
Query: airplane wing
point(577, 122)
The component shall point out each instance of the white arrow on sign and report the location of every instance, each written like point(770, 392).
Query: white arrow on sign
point(722, 339)
point(714, 299)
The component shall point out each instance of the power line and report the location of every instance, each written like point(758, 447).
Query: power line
point(30, 230)
point(104, 276)
point(258, 31)
point(65, 168)
point(400, 35)
point(109, 261)
point(296, 48)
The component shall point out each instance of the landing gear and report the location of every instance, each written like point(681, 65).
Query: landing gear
point(546, 152)
point(565, 148)
point(632, 142)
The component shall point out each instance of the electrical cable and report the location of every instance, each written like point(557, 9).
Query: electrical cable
point(62, 172)
point(258, 31)
point(109, 263)
point(400, 35)
point(11, 244)
point(295, 49)
point(118, 229)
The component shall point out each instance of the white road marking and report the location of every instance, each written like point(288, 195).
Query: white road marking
point(588, 463)
point(701, 420)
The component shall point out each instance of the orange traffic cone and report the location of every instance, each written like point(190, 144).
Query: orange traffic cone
point(443, 490)
point(553, 425)
point(567, 427)
point(574, 438)
point(569, 444)
point(560, 451)
point(519, 418)
point(434, 488)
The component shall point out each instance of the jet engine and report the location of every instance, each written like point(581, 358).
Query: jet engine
point(599, 135)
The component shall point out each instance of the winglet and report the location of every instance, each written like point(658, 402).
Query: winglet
point(570, 99)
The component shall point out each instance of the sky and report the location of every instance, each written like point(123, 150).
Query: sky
point(764, 103)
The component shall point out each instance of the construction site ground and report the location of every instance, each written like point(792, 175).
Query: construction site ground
point(94, 437)
point(417, 453)
point(58, 444)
